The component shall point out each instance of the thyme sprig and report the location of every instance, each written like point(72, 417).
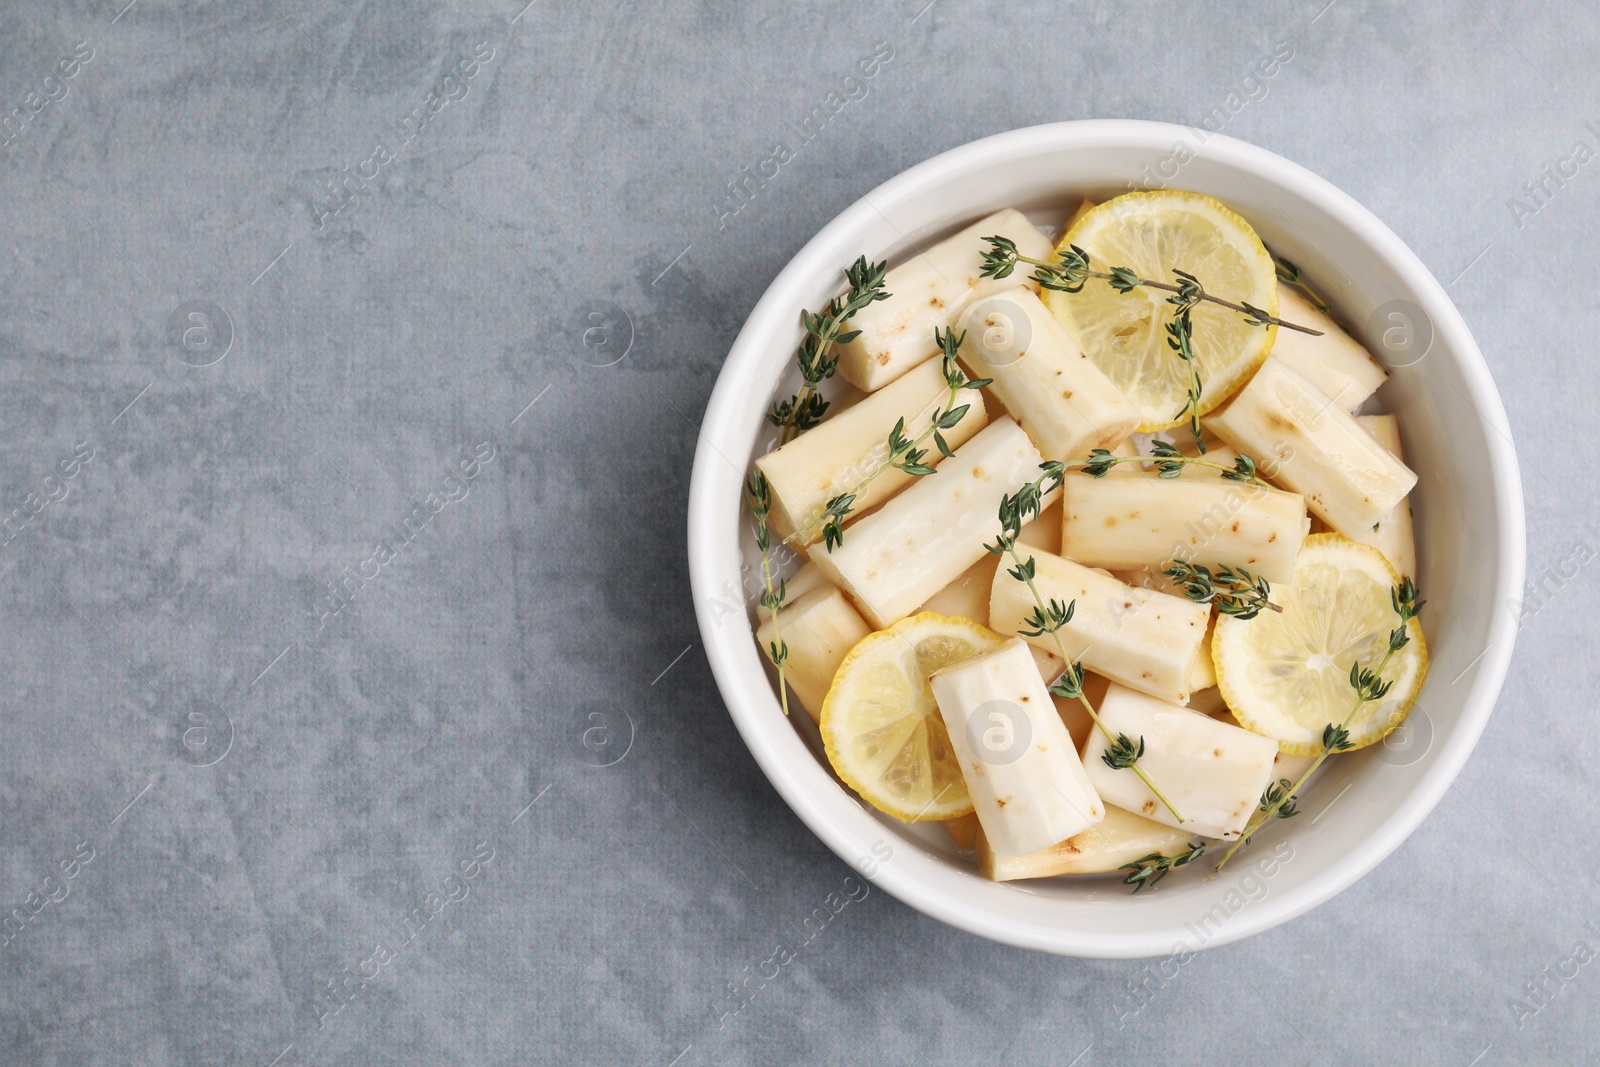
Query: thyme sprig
point(900, 452)
point(1279, 800)
point(1233, 590)
point(1180, 338)
point(1074, 269)
point(1289, 274)
point(1123, 754)
point(1169, 463)
point(1071, 272)
point(1148, 870)
point(1048, 617)
point(758, 498)
point(815, 354)
point(1369, 686)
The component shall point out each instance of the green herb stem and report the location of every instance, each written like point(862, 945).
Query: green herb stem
point(1231, 590)
point(1169, 463)
point(1257, 823)
point(1071, 270)
point(1180, 461)
point(1148, 870)
point(1123, 276)
point(815, 352)
point(1049, 618)
point(758, 498)
point(889, 462)
point(1369, 686)
point(1289, 274)
point(901, 453)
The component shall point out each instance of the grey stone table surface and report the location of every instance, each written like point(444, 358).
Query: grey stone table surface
point(352, 708)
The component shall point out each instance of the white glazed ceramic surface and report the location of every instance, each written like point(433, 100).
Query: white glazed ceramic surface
point(1467, 504)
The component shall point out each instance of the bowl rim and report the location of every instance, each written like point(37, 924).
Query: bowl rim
point(834, 823)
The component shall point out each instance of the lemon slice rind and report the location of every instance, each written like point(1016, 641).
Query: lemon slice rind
point(881, 728)
point(1286, 676)
point(1125, 335)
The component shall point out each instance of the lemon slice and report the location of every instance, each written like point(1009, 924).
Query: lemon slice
point(1286, 676)
point(880, 725)
point(1125, 334)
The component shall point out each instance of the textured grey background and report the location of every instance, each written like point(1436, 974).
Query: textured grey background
point(163, 606)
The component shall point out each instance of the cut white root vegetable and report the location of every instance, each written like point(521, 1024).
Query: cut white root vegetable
point(841, 453)
point(1125, 523)
point(1286, 674)
point(1126, 449)
point(880, 727)
point(1285, 766)
point(1072, 712)
point(1209, 702)
point(1077, 213)
point(1143, 639)
point(1335, 362)
point(1392, 534)
point(926, 293)
point(1152, 577)
point(968, 598)
point(820, 629)
point(968, 595)
point(1291, 767)
point(1202, 672)
point(1054, 391)
point(803, 581)
point(1120, 838)
point(1212, 773)
point(964, 831)
point(1028, 788)
point(893, 560)
point(1182, 439)
point(1315, 448)
point(1124, 330)
point(1044, 532)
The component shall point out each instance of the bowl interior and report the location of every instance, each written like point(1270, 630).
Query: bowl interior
point(1467, 508)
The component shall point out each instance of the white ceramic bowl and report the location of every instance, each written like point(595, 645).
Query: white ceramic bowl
point(1469, 527)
